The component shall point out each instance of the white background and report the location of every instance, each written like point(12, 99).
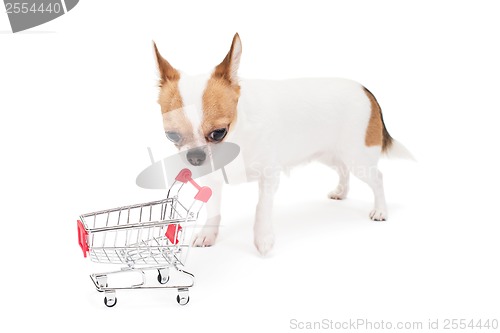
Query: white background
point(78, 111)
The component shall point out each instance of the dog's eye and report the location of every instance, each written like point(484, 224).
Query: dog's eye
point(218, 135)
point(173, 136)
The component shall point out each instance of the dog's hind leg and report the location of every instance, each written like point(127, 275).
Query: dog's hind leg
point(365, 168)
point(340, 192)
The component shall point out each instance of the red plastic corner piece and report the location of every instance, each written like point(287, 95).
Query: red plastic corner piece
point(203, 194)
point(82, 238)
point(184, 176)
point(172, 234)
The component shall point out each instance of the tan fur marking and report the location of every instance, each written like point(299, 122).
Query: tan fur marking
point(167, 72)
point(220, 101)
point(374, 135)
point(170, 100)
point(225, 69)
point(220, 98)
point(170, 97)
point(376, 132)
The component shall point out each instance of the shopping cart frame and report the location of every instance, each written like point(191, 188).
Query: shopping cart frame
point(161, 252)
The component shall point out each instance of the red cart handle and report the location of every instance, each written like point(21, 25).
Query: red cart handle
point(204, 193)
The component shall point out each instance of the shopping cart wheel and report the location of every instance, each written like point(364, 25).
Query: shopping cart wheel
point(182, 300)
point(183, 296)
point(110, 299)
point(163, 276)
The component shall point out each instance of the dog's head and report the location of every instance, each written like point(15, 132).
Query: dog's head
point(199, 111)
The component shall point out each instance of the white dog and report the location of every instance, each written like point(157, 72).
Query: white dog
point(277, 124)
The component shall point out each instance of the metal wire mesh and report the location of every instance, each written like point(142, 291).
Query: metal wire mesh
point(136, 234)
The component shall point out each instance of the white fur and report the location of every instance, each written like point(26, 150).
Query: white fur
point(399, 151)
point(191, 90)
point(281, 124)
point(285, 123)
point(235, 59)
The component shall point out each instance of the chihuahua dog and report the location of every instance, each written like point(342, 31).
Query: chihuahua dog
point(277, 125)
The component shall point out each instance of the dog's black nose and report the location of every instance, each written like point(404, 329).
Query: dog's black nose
point(196, 156)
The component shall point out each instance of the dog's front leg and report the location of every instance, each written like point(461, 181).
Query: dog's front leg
point(263, 228)
point(209, 232)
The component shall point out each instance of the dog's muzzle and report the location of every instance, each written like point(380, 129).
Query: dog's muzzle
point(196, 156)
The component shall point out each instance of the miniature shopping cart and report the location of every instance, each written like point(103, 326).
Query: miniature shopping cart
point(146, 238)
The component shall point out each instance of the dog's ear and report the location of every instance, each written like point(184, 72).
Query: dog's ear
point(167, 72)
point(228, 68)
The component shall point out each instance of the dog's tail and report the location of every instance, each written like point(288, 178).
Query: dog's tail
point(390, 147)
point(395, 150)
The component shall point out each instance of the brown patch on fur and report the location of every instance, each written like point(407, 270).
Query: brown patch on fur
point(220, 98)
point(170, 100)
point(225, 69)
point(220, 101)
point(376, 132)
point(167, 72)
point(170, 97)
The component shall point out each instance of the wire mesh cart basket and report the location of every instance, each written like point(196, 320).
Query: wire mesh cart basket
point(143, 238)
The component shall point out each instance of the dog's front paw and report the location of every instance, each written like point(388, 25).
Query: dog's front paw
point(378, 214)
point(264, 242)
point(206, 237)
